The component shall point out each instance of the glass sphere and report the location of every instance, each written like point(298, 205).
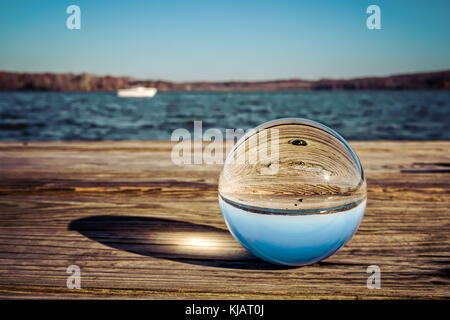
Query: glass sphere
point(292, 191)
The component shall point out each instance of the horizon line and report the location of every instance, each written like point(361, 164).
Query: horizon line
point(234, 81)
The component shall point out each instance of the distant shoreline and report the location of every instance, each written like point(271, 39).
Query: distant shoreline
point(85, 82)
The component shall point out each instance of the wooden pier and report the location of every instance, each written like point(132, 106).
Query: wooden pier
point(139, 226)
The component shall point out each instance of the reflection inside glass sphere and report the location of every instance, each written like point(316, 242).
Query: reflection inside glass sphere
point(292, 191)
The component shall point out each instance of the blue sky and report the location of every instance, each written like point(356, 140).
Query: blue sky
point(225, 40)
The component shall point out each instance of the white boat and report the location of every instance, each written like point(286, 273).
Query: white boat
point(137, 92)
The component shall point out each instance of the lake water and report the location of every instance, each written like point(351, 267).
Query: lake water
point(356, 115)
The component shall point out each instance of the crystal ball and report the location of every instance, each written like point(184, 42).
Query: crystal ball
point(292, 191)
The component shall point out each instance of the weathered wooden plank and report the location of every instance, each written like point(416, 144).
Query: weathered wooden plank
point(140, 227)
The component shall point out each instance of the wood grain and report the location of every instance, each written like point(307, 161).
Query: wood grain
point(140, 227)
